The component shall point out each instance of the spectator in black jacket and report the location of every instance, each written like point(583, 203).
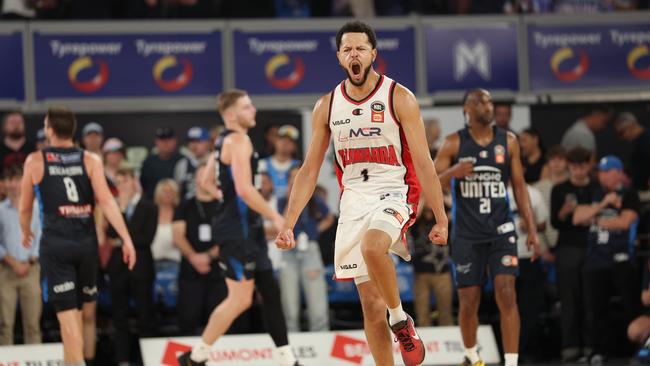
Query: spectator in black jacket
point(162, 164)
point(571, 249)
point(141, 217)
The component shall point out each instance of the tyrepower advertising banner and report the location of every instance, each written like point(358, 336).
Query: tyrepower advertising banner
point(127, 65)
point(464, 58)
point(345, 348)
point(604, 56)
point(296, 62)
point(11, 66)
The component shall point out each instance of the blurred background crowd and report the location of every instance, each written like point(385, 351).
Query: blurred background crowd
point(176, 282)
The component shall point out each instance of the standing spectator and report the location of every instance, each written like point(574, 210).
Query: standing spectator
point(160, 165)
point(432, 272)
point(19, 268)
point(201, 287)
point(628, 129)
point(114, 154)
point(571, 250)
point(140, 217)
point(432, 129)
point(92, 137)
point(163, 249)
point(282, 161)
point(503, 115)
point(530, 282)
point(532, 155)
point(609, 267)
point(198, 144)
point(14, 149)
point(555, 172)
point(583, 130)
point(302, 266)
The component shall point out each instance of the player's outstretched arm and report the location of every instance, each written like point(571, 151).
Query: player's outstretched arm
point(307, 176)
point(408, 114)
point(32, 163)
point(521, 194)
point(241, 149)
point(108, 205)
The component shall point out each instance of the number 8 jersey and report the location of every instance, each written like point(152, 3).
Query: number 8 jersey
point(373, 160)
point(65, 194)
point(481, 210)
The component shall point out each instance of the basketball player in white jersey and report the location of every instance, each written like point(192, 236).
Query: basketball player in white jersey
point(381, 156)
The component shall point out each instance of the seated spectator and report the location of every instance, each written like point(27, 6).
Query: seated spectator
point(201, 285)
point(20, 272)
point(164, 252)
point(609, 266)
point(140, 216)
point(302, 266)
point(92, 137)
point(432, 267)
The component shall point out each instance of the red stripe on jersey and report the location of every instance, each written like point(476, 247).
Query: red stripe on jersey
point(410, 178)
point(390, 101)
point(357, 102)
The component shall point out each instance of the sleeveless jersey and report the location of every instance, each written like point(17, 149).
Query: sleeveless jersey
point(234, 220)
point(481, 210)
point(65, 194)
point(372, 156)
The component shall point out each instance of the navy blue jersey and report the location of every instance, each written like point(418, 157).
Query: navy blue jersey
point(607, 247)
point(65, 194)
point(481, 210)
point(234, 219)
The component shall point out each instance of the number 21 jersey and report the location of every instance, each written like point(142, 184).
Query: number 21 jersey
point(481, 209)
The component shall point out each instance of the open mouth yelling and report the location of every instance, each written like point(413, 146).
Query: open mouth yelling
point(356, 70)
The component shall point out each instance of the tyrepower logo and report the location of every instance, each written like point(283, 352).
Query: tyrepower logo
point(349, 349)
point(172, 351)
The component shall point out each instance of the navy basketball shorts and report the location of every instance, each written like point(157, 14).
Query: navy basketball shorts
point(70, 267)
point(473, 259)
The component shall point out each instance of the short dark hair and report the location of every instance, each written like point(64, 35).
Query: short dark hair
point(601, 107)
point(13, 171)
point(578, 155)
point(62, 121)
point(556, 152)
point(471, 92)
point(503, 104)
point(356, 27)
point(228, 98)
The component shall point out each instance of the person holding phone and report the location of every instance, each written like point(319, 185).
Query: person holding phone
point(571, 249)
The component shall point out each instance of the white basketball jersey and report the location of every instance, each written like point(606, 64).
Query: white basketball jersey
point(373, 161)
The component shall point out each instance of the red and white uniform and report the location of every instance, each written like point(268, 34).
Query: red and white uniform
point(379, 188)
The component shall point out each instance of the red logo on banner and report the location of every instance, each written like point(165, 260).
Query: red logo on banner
point(349, 349)
point(96, 82)
point(179, 82)
point(281, 60)
point(173, 350)
point(566, 54)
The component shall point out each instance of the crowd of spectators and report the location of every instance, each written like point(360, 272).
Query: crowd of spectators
point(586, 211)
point(130, 9)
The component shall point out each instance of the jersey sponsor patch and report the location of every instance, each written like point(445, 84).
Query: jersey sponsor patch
point(377, 109)
point(52, 157)
point(499, 154)
point(77, 211)
point(379, 155)
point(395, 214)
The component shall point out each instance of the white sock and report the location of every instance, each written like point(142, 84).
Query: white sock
point(472, 354)
point(285, 354)
point(511, 359)
point(200, 352)
point(396, 315)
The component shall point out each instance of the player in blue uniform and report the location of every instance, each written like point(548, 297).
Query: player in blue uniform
point(478, 161)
